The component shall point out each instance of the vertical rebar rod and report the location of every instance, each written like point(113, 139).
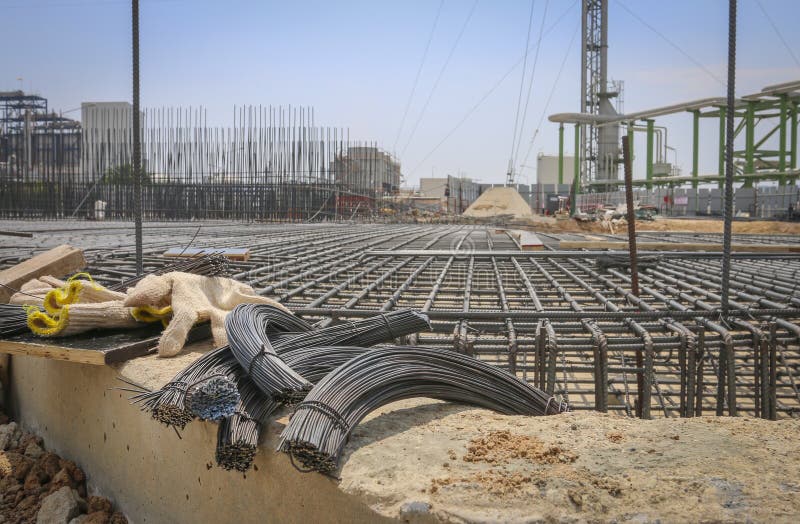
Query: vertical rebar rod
point(731, 108)
point(626, 156)
point(137, 145)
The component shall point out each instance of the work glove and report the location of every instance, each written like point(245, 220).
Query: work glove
point(193, 298)
point(72, 319)
point(79, 289)
point(32, 292)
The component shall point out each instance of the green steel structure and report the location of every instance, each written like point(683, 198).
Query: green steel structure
point(764, 119)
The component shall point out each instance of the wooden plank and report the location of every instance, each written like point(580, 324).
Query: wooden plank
point(678, 246)
point(530, 242)
point(233, 253)
point(59, 261)
point(96, 348)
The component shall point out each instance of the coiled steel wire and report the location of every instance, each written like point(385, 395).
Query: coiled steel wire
point(258, 345)
point(322, 423)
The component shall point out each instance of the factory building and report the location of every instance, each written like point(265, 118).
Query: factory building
point(456, 193)
point(367, 169)
point(106, 140)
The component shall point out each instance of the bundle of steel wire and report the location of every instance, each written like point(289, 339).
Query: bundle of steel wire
point(169, 404)
point(13, 320)
point(258, 347)
point(321, 424)
point(210, 265)
point(238, 434)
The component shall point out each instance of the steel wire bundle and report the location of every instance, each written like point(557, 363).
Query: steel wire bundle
point(259, 348)
point(238, 434)
point(168, 405)
point(13, 320)
point(210, 265)
point(322, 423)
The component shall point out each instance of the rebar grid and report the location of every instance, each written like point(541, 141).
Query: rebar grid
point(358, 269)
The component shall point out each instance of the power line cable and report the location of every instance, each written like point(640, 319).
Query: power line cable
point(439, 77)
point(552, 92)
point(671, 43)
point(419, 72)
point(530, 83)
point(778, 32)
point(521, 87)
point(488, 93)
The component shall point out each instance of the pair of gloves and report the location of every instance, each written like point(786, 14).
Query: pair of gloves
point(81, 305)
point(58, 308)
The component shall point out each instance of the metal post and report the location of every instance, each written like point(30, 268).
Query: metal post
point(630, 141)
point(749, 151)
point(576, 181)
point(793, 139)
point(626, 156)
point(650, 132)
point(137, 145)
point(784, 106)
point(721, 168)
point(560, 154)
point(695, 148)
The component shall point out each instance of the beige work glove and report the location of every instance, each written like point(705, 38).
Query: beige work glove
point(194, 298)
point(79, 291)
point(33, 292)
point(52, 293)
point(72, 319)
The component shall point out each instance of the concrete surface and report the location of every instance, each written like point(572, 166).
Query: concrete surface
point(416, 460)
point(147, 471)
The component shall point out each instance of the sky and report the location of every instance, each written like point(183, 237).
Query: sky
point(358, 63)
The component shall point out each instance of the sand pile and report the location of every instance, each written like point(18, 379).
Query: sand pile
point(498, 201)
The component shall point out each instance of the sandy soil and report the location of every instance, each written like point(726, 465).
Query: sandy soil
point(550, 224)
point(468, 465)
point(499, 201)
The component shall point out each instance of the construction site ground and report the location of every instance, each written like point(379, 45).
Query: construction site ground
point(423, 459)
point(430, 460)
point(684, 225)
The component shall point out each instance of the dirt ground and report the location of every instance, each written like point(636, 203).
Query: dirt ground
point(550, 224)
point(428, 459)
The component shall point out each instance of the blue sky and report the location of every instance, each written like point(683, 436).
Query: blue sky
point(355, 63)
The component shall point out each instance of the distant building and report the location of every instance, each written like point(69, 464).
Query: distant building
point(366, 169)
point(457, 192)
point(547, 169)
point(107, 136)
